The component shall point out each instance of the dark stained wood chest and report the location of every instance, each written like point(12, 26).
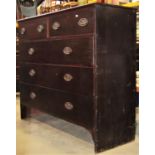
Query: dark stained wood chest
point(79, 65)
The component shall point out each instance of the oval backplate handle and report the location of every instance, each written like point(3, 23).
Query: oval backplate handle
point(68, 105)
point(32, 72)
point(67, 50)
point(23, 30)
point(33, 95)
point(83, 22)
point(55, 25)
point(40, 28)
point(31, 51)
point(68, 77)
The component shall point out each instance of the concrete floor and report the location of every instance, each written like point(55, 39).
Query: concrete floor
point(46, 135)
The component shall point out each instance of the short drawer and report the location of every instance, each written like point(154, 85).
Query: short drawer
point(74, 108)
point(71, 22)
point(71, 79)
point(33, 29)
point(77, 51)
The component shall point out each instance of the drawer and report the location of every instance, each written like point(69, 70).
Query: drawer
point(71, 22)
point(71, 79)
point(77, 51)
point(30, 29)
point(74, 108)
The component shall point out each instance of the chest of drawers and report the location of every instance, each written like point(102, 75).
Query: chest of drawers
point(79, 65)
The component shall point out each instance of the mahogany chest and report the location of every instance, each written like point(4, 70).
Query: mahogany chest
point(79, 65)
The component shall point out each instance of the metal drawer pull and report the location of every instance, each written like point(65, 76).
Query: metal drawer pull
point(40, 28)
point(33, 95)
point(83, 22)
point(56, 26)
point(67, 50)
point(68, 105)
point(32, 72)
point(68, 77)
point(23, 30)
point(31, 51)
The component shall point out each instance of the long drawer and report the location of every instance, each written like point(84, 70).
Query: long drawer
point(77, 51)
point(74, 108)
point(72, 79)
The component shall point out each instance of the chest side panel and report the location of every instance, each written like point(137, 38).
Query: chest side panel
point(115, 76)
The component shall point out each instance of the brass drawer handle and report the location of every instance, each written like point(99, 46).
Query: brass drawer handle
point(56, 26)
point(33, 95)
point(32, 72)
point(68, 105)
point(67, 50)
point(83, 22)
point(22, 31)
point(40, 28)
point(68, 77)
point(31, 51)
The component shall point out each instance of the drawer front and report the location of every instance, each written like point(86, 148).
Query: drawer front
point(71, 22)
point(77, 51)
point(72, 79)
point(33, 29)
point(74, 108)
